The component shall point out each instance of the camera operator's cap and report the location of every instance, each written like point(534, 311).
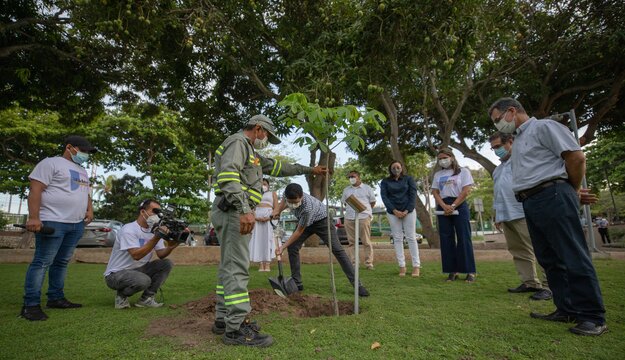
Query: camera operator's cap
point(267, 124)
point(81, 143)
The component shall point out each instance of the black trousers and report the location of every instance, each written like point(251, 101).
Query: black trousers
point(320, 228)
point(560, 248)
point(605, 236)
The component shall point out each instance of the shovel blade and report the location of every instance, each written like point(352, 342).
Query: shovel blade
point(276, 284)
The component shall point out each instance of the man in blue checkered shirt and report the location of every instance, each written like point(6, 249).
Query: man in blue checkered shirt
point(311, 217)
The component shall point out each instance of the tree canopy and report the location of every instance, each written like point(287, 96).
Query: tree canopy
point(431, 68)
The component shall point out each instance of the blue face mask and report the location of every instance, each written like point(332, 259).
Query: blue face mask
point(501, 152)
point(80, 157)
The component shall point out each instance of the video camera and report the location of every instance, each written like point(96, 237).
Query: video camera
point(175, 226)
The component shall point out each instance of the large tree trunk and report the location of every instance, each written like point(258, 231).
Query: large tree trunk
point(316, 184)
point(429, 232)
point(422, 213)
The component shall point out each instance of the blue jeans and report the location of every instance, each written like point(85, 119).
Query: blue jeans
point(560, 248)
point(456, 246)
point(52, 252)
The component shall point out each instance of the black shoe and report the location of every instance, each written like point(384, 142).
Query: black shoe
point(522, 289)
point(300, 287)
point(554, 316)
point(62, 304)
point(452, 277)
point(248, 337)
point(543, 294)
point(33, 313)
point(588, 328)
point(219, 327)
point(362, 291)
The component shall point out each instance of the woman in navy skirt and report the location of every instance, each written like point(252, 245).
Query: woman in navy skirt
point(450, 187)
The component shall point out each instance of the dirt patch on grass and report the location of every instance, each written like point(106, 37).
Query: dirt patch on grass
point(194, 328)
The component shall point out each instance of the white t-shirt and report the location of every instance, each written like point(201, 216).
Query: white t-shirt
point(66, 195)
point(450, 185)
point(130, 236)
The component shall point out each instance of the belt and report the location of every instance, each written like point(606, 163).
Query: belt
point(525, 194)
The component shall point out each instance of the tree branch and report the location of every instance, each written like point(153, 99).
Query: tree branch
point(612, 99)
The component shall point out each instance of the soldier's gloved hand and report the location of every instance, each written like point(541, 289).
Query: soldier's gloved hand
point(246, 223)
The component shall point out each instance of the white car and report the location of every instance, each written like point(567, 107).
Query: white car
point(100, 233)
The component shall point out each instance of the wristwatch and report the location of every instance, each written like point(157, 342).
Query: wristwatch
point(453, 206)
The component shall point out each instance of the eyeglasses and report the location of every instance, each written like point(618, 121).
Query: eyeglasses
point(500, 117)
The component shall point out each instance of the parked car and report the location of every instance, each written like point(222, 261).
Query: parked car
point(339, 223)
point(289, 226)
point(100, 233)
point(418, 237)
point(210, 239)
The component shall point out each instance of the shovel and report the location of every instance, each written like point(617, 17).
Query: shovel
point(282, 286)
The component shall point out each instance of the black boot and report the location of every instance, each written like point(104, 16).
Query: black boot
point(247, 336)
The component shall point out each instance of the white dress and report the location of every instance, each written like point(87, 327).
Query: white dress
point(262, 245)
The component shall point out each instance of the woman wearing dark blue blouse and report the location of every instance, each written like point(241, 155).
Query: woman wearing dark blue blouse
point(399, 193)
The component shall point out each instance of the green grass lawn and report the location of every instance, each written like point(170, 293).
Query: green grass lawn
point(422, 318)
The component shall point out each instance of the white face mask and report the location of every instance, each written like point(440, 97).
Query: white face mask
point(152, 220)
point(294, 206)
point(444, 163)
point(353, 180)
point(265, 188)
point(506, 127)
point(260, 144)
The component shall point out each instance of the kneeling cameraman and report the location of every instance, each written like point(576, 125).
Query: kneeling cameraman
point(129, 269)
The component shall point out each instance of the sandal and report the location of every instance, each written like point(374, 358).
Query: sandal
point(452, 277)
point(402, 271)
point(470, 278)
point(416, 272)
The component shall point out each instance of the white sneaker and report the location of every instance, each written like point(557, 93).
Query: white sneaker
point(121, 302)
point(149, 302)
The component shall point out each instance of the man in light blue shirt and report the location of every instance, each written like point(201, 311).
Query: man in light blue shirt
point(547, 170)
point(510, 218)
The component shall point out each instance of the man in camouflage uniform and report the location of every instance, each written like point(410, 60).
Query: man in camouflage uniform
point(239, 172)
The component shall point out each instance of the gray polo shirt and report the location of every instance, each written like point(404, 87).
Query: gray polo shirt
point(537, 153)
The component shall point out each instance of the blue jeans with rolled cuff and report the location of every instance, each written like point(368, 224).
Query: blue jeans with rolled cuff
point(52, 254)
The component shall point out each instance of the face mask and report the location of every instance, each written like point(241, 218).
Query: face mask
point(294, 206)
point(501, 152)
point(80, 157)
point(152, 220)
point(353, 180)
point(261, 144)
point(444, 163)
point(265, 188)
point(396, 171)
point(505, 126)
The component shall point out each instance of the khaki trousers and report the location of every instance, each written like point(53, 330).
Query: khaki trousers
point(365, 236)
point(520, 246)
